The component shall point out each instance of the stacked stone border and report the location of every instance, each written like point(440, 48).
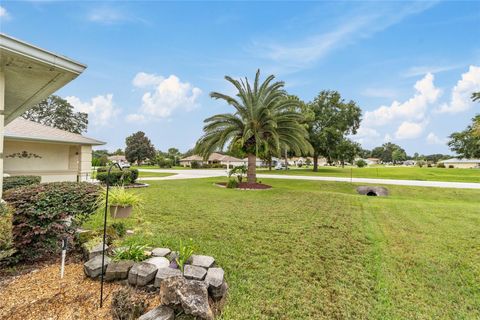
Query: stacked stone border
point(199, 291)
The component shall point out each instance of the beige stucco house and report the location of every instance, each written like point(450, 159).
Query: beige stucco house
point(214, 158)
point(31, 148)
point(28, 75)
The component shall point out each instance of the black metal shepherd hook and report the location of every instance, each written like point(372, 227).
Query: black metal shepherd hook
point(105, 230)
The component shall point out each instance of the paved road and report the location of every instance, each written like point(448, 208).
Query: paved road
point(202, 173)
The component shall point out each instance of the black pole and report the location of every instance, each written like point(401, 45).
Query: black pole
point(105, 230)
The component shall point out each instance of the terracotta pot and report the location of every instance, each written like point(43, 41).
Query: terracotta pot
point(120, 212)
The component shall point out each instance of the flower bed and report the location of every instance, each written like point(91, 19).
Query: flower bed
point(247, 186)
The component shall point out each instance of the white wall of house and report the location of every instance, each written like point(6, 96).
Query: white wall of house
point(55, 161)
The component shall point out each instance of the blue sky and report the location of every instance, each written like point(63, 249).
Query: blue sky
point(411, 66)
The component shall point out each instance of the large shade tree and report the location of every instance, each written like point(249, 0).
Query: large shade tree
point(330, 120)
point(466, 143)
point(265, 119)
point(139, 148)
point(56, 112)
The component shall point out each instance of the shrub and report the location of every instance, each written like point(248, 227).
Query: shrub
point(195, 165)
point(125, 306)
point(429, 165)
point(440, 165)
point(420, 163)
point(19, 181)
point(232, 184)
point(163, 162)
point(117, 177)
point(361, 163)
point(239, 172)
point(451, 166)
point(134, 252)
point(5, 227)
point(42, 214)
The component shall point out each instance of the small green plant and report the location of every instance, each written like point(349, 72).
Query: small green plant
point(119, 196)
point(184, 253)
point(440, 165)
point(135, 252)
point(232, 184)
point(119, 228)
point(239, 172)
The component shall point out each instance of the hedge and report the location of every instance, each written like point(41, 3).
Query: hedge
point(41, 212)
point(19, 181)
point(117, 177)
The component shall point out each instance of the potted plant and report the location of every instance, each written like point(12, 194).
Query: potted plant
point(121, 202)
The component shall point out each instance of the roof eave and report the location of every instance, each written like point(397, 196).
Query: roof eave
point(25, 49)
point(30, 139)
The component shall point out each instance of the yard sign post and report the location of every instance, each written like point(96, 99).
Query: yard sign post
point(105, 229)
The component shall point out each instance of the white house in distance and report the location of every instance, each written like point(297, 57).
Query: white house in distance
point(31, 148)
point(28, 75)
point(462, 163)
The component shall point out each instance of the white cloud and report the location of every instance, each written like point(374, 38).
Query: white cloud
point(135, 117)
point(144, 80)
point(413, 109)
point(112, 15)
point(461, 94)
point(423, 70)
point(165, 95)
point(355, 26)
point(380, 93)
point(101, 109)
point(365, 135)
point(432, 138)
point(410, 130)
point(4, 14)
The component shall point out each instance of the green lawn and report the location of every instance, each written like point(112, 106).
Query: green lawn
point(402, 173)
point(317, 250)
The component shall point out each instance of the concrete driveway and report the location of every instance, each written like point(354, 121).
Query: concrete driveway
point(207, 173)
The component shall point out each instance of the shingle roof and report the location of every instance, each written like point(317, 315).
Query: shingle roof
point(213, 157)
point(22, 129)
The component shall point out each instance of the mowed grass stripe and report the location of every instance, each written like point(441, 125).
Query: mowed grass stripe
point(317, 250)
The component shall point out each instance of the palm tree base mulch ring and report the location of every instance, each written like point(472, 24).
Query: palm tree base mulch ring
point(247, 186)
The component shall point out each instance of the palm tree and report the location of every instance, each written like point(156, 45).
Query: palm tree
point(265, 118)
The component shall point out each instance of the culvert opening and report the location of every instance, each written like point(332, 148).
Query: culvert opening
point(372, 191)
point(371, 194)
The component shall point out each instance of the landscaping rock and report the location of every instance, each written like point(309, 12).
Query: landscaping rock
point(218, 293)
point(141, 274)
point(93, 267)
point(202, 261)
point(96, 251)
point(160, 252)
point(194, 272)
point(159, 313)
point(118, 270)
point(165, 273)
point(172, 255)
point(159, 262)
point(191, 295)
point(373, 191)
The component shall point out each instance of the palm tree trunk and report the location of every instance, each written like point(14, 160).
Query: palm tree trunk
point(315, 162)
point(252, 167)
point(286, 159)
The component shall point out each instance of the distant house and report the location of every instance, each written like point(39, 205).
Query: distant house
point(214, 158)
point(31, 148)
point(462, 163)
point(372, 161)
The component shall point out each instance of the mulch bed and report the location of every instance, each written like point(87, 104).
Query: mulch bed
point(248, 186)
point(40, 294)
